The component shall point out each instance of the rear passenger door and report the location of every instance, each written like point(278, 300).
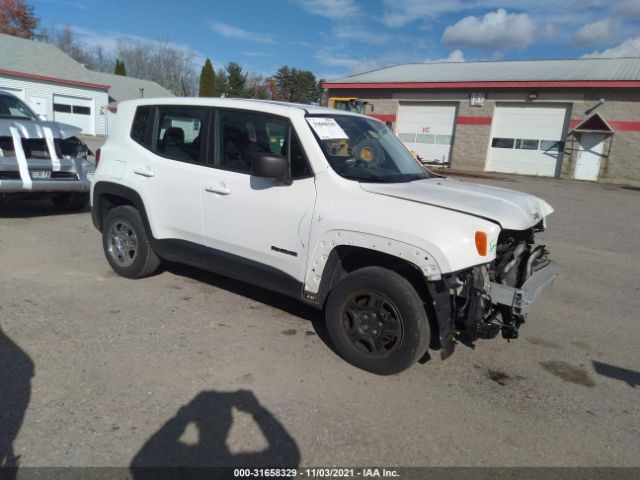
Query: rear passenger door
point(264, 224)
point(169, 169)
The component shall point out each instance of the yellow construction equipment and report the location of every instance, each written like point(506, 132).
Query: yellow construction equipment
point(350, 104)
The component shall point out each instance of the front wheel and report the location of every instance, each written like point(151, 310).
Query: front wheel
point(126, 245)
point(377, 321)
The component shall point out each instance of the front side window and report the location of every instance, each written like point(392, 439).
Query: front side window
point(363, 149)
point(245, 134)
point(14, 107)
point(178, 132)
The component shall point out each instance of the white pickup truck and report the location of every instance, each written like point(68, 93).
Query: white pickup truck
point(325, 206)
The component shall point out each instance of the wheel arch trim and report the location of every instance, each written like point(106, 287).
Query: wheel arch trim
point(325, 259)
point(103, 189)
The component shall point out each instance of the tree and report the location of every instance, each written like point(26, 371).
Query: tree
point(207, 80)
point(221, 83)
point(17, 18)
point(66, 41)
point(258, 87)
point(120, 70)
point(236, 81)
point(162, 62)
point(300, 86)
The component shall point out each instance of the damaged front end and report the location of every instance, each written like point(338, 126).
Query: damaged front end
point(42, 157)
point(493, 298)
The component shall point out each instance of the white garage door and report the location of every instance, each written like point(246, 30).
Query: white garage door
point(427, 129)
point(528, 139)
point(75, 111)
point(13, 91)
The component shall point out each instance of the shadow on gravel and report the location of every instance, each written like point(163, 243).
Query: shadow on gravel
point(16, 370)
point(210, 413)
point(267, 297)
point(32, 208)
point(630, 377)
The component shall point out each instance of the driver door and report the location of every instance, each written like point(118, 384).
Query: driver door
point(263, 224)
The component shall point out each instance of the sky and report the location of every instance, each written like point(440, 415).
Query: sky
point(336, 38)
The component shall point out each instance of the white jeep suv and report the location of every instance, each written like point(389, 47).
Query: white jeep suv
point(327, 207)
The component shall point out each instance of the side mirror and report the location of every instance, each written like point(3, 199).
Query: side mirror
point(270, 165)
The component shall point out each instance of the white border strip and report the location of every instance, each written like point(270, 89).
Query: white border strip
point(21, 158)
point(55, 161)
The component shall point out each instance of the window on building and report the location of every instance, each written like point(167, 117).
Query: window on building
point(551, 146)
point(62, 108)
point(81, 110)
point(502, 142)
point(526, 144)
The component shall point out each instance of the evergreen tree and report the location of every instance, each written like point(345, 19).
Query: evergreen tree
point(300, 86)
point(207, 80)
point(119, 70)
point(221, 83)
point(236, 81)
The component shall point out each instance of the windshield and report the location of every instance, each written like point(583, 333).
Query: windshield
point(363, 149)
point(13, 107)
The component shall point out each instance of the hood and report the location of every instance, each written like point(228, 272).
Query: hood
point(30, 128)
point(512, 210)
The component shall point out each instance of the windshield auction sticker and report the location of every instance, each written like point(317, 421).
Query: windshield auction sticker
point(326, 128)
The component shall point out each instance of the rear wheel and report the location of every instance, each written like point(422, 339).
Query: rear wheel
point(126, 244)
point(71, 201)
point(377, 321)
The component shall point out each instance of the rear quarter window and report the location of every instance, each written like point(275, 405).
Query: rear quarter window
point(139, 127)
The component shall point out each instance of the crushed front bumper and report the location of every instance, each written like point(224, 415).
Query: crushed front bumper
point(521, 300)
point(18, 173)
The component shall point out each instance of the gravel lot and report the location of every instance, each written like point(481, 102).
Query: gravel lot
point(194, 368)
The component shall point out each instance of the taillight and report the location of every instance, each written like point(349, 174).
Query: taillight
point(97, 156)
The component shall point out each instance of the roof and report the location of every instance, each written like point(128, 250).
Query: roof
point(583, 71)
point(267, 106)
point(43, 61)
point(128, 88)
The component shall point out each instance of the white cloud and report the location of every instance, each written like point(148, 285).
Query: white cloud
point(628, 48)
point(455, 56)
point(335, 9)
point(230, 31)
point(568, 13)
point(630, 8)
point(109, 41)
point(257, 54)
point(353, 65)
point(81, 4)
point(497, 31)
point(549, 31)
point(359, 34)
point(400, 13)
point(593, 33)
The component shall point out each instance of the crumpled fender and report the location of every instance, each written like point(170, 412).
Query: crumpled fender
point(422, 259)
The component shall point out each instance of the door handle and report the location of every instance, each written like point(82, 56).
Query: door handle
point(221, 189)
point(145, 172)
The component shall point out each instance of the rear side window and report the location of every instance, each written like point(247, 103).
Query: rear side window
point(140, 124)
point(179, 134)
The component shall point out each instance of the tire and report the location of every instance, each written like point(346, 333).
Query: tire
point(126, 244)
point(71, 202)
point(377, 321)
